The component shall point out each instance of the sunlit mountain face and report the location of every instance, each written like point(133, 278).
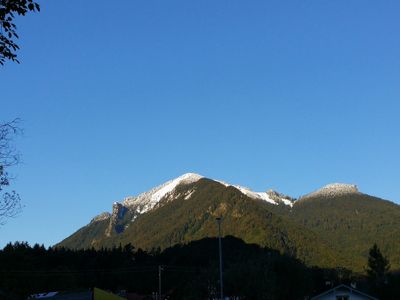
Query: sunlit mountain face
point(331, 227)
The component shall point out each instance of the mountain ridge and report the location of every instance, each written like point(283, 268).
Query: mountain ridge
point(148, 200)
point(322, 229)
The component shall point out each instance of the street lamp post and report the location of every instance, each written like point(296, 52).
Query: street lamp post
point(221, 283)
point(160, 268)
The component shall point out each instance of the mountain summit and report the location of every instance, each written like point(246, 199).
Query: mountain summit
point(333, 226)
point(333, 190)
point(148, 200)
point(162, 194)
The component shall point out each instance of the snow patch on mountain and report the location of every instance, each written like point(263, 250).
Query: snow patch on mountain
point(334, 189)
point(270, 196)
point(148, 200)
point(287, 202)
point(189, 194)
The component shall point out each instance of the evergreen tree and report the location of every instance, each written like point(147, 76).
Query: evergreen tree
point(377, 270)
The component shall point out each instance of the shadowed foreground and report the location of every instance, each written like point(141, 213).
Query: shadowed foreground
point(189, 271)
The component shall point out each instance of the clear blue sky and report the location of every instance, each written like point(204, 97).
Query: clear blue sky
point(117, 97)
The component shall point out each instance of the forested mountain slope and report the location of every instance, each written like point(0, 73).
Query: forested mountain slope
point(332, 227)
point(351, 223)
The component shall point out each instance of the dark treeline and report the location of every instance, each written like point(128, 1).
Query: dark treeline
point(188, 271)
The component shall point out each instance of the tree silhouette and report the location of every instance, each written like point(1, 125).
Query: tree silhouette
point(8, 29)
point(377, 270)
point(10, 204)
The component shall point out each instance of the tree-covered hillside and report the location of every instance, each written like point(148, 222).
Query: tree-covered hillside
point(184, 220)
point(324, 231)
point(191, 271)
point(351, 223)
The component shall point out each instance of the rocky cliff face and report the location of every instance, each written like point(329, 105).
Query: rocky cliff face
point(118, 212)
point(279, 197)
point(103, 216)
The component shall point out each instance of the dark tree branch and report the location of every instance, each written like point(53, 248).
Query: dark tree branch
point(8, 29)
point(10, 204)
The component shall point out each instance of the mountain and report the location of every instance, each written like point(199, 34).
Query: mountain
point(331, 227)
point(350, 222)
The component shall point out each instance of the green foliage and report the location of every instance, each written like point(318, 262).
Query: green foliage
point(88, 236)
point(348, 224)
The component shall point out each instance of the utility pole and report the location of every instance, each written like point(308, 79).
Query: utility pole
point(221, 283)
point(160, 268)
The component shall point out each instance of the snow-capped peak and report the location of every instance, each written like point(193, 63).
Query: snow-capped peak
point(334, 189)
point(148, 200)
point(151, 199)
